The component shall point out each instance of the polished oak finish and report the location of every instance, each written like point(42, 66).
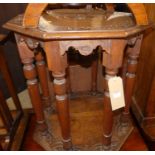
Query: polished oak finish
point(112, 64)
point(42, 73)
point(133, 51)
point(57, 64)
point(31, 18)
point(30, 72)
point(84, 112)
point(57, 37)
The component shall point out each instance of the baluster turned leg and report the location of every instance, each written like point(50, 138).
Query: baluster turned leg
point(124, 70)
point(42, 73)
point(57, 63)
point(30, 73)
point(112, 61)
point(132, 61)
point(32, 83)
point(41, 135)
point(108, 113)
point(63, 108)
point(130, 80)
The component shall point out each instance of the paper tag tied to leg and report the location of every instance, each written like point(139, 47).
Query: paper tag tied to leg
point(116, 92)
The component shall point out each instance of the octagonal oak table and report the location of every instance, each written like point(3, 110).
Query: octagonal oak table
point(55, 31)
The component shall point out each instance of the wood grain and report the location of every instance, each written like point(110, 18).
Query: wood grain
point(32, 15)
point(84, 112)
point(31, 18)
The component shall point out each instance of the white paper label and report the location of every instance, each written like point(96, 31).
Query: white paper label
point(116, 93)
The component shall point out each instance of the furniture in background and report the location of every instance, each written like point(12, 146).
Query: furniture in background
point(54, 32)
point(143, 101)
point(12, 123)
point(7, 11)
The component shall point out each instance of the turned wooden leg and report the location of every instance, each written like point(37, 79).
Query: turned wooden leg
point(112, 61)
point(132, 61)
point(32, 83)
point(94, 70)
point(30, 73)
point(107, 110)
point(124, 70)
point(57, 64)
point(42, 73)
point(94, 75)
point(63, 108)
point(129, 85)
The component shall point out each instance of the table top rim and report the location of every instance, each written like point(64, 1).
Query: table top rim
point(82, 34)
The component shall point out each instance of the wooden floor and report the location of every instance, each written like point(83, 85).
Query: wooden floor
point(82, 106)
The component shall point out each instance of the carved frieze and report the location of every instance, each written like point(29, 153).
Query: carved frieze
point(85, 47)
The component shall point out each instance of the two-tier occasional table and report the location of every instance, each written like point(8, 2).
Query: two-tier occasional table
point(53, 32)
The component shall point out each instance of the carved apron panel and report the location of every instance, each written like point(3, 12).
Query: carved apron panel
point(85, 47)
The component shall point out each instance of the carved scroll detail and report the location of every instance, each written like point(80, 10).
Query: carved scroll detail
point(136, 43)
point(31, 43)
point(132, 41)
point(85, 47)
